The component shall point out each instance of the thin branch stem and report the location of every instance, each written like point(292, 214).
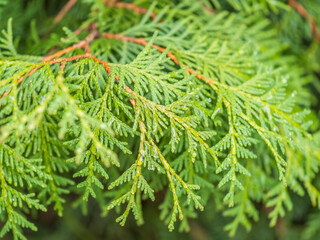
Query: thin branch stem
point(130, 6)
point(304, 13)
point(66, 8)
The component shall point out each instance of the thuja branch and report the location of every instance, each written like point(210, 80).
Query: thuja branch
point(143, 42)
point(60, 60)
point(179, 120)
point(209, 81)
point(185, 120)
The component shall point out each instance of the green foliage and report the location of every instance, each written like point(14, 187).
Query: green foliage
point(231, 121)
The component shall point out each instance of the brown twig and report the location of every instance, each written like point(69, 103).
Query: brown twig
point(76, 57)
point(208, 8)
point(82, 44)
point(129, 6)
point(304, 13)
point(94, 32)
point(127, 89)
point(54, 58)
point(36, 68)
point(66, 8)
point(143, 42)
point(51, 58)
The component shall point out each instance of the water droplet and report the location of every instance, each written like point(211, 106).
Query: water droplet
point(42, 99)
point(266, 109)
point(103, 126)
point(20, 128)
point(284, 79)
point(173, 132)
point(40, 109)
point(31, 126)
point(78, 151)
point(110, 122)
point(142, 156)
point(269, 97)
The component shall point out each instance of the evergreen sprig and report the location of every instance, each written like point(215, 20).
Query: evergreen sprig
point(181, 101)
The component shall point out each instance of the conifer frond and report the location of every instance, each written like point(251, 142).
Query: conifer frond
point(146, 98)
point(18, 176)
point(6, 41)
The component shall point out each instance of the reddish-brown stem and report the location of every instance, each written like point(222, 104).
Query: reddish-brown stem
point(304, 13)
point(105, 64)
point(127, 89)
point(54, 58)
point(63, 61)
point(85, 44)
point(82, 44)
point(208, 8)
point(51, 58)
point(76, 57)
point(69, 59)
point(132, 101)
point(6, 93)
point(66, 8)
point(129, 6)
point(29, 74)
point(199, 76)
point(143, 42)
point(63, 65)
point(20, 80)
point(64, 51)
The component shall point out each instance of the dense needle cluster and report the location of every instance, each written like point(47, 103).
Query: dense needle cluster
point(149, 99)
